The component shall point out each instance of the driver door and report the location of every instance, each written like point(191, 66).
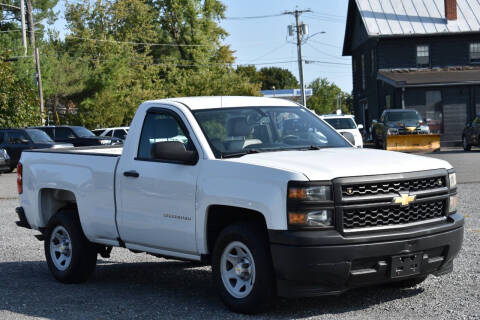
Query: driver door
point(156, 198)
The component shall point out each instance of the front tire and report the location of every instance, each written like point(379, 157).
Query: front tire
point(71, 258)
point(242, 268)
point(466, 146)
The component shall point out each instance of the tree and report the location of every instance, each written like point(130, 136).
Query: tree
point(278, 78)
point(127, 66)
point(325, 95)
point(19, 106)
point(250, 72)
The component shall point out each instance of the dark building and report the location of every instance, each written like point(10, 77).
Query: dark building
point(421, 54)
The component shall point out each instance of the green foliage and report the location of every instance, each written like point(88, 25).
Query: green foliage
point(325, 95)
point(278, 78)
point(18, 104)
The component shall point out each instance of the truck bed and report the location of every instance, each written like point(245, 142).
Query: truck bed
point(87, 173)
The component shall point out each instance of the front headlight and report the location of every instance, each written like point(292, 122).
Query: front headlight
point(314, 193)
point(392, 131)
point(310, 205)
point(319, 218)
point(452, 177)
point(452, 204)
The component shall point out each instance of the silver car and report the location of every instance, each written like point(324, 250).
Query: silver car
point(4, 160)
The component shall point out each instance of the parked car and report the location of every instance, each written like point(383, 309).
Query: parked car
point(15, 141)
point(471, 134)
point(119, 132)
point(397, 122)
point(276, 200)
point(4, 161)
point(345, 123)
point(78, 136)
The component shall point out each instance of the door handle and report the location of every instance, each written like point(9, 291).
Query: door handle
point(131, 173)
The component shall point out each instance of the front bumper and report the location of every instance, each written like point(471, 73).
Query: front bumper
point(339, 263)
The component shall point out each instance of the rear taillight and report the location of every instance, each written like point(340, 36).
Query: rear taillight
point(19, 178)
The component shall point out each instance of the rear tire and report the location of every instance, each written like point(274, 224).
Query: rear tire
point(70, 256)
point(408, 283)
point(242, 268)
point(466, 146)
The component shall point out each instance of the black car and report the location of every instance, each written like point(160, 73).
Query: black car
point(397, 122)
point(17, 140)
point(471, 134)
point(78, 136)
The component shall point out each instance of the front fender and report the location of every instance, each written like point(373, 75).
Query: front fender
point(247, 186)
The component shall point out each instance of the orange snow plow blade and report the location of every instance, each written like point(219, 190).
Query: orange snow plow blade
point(414, 142)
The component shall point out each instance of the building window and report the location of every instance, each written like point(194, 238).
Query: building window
point(388, 102)
point(475, 52)
point(372, 61)
point(363, 71)
point(423, 56)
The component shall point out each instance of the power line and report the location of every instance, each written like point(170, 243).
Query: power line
point(325, 44)
point(327, 62)
point(140, 43)
point(270, 52)
point(327, 54)
point(255, 17)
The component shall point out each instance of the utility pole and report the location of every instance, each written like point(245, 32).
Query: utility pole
point(24, 34)
point(31, 26)
point(301, 29)
point(31, 30)
point(40, 87)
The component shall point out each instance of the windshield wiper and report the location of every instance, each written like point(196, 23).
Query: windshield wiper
point(240, 154)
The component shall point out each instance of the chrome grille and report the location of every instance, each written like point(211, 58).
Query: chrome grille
point(392, 215)
point(382, 188)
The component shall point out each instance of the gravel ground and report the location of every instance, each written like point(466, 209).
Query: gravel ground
point(138, 286)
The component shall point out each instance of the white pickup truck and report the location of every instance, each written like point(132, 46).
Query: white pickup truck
point(273, 197)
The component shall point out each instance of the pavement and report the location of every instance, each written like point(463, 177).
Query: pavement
point(139, 286)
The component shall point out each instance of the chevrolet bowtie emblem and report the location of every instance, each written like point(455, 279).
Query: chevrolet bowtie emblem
point(404, 199)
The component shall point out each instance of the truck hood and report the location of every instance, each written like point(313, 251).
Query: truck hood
point(331, 163)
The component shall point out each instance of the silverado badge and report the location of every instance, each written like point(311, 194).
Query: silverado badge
point(404, 199)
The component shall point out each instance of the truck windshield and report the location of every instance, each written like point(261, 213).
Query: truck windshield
point(38, 136)
point(404, 116)
point(83, 132)
point(341, 123)
point(237, 131)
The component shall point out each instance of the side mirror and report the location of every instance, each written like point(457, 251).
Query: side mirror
point(360, 127)
point(173, 151)
point(349, 137)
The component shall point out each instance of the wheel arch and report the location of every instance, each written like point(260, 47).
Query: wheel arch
point(53, 200)
point(220, 216)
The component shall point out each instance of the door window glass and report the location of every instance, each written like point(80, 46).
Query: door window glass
point(160, 127)
point(17, 137)
point(121, 134)
point(64, 133)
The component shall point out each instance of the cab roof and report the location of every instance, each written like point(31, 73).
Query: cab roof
point(199, 103)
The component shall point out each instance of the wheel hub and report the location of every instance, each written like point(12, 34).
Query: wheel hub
point(243, 269)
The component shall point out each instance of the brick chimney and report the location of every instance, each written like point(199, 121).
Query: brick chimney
point(451, 9)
